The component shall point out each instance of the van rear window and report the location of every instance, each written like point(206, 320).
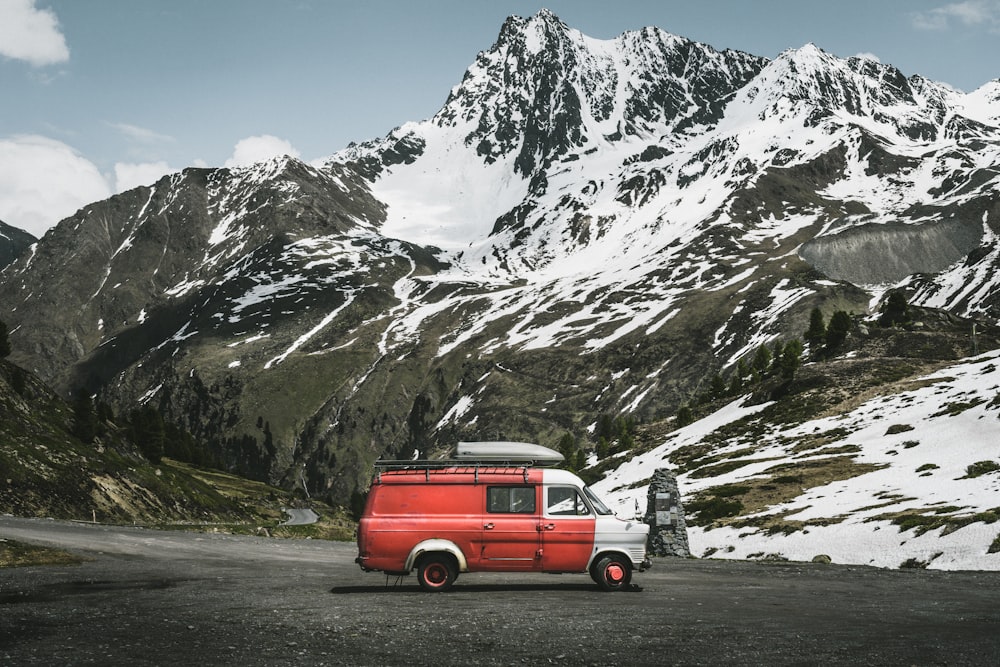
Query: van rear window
point(510, 499)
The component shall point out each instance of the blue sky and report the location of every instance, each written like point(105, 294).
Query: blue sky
point(101, 95)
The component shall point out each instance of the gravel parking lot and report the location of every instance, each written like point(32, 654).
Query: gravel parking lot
point(158, 598)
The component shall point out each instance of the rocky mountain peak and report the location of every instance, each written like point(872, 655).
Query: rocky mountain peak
point(13, 242)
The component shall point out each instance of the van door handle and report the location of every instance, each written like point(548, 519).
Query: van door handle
point(488, 526)
point(547, 526)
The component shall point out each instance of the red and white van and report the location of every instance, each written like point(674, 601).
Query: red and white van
point(496, 508)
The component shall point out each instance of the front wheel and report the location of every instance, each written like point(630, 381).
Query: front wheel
point(612, 573)
point(436, 572)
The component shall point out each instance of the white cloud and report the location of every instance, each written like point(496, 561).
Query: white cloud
point(141, 134)
point(868, 56)
point(128, 176)
point(31, 34)
point(256, 149)
point(43, 181)
point(971, 13)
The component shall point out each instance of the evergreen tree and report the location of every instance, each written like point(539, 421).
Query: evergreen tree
point(148, 432)
point(718, 386)
point(685, 416)
point(816, 333)
point(605, 426)
point(104, 412)
point(4, 341)
point(19, 381)
point(895, 310)
point(357, 504)
point(567, 446)
point(84, 418)
point(761, 361)
point(740, 377)
point(836, 332)
point(603, 447)
point(735, 383)
point(791, 359)
point(776, 353)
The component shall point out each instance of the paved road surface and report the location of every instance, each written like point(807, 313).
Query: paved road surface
point(300, 517)
point(170, 598)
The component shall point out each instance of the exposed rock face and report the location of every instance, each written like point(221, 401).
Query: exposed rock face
point(13, 242)
point(888, 253)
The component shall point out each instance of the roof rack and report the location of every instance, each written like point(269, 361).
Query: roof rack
point(453, 465)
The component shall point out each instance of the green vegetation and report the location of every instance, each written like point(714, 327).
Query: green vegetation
point(958, 407)
point(4, 341)
point(837, 331)
point(704, 511)
point(980, 468)
point(895, 310)
point(576, 458)
point(927, 520)
point(614, 435)
point(18, 554)
point(815, 335)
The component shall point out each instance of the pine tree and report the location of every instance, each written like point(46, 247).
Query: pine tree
point(4, 341)
point(19, 381)
point(816, 333)
point(605, 426)
point(776, 353)
point(735, 383)
point(148, 433)
point(685, 416)
point(568, 448)
point(761, 361)
point(603, 447)
point(718, 386)
point(791, 359)
point(836, 332)
point(84, 418)
point(895, 310)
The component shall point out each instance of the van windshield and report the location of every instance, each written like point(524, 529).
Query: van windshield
point(599, 506)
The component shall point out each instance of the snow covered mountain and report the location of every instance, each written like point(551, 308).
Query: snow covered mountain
point(586, 228)
point(901, 476)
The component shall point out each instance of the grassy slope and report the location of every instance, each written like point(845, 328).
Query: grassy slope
point(46, 471)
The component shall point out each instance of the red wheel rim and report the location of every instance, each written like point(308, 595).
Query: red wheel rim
point(436, 574)
point(615, 573)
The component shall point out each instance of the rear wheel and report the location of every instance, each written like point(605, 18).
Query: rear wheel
point(612, 573)
point(436, 572)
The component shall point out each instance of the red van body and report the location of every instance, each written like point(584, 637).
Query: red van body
point(483, 517)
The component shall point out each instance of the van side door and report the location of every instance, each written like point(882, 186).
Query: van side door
point(510, 528)
point(567, 529)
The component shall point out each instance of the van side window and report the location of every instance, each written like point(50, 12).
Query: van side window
point(564, 501)
point(510, 499)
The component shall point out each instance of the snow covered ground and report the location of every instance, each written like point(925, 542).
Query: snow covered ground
point(923, 441)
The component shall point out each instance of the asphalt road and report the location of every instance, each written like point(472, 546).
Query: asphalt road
point(167, 598)
point(300, 517)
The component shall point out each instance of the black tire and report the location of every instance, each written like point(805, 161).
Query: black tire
point(612, 573)
point(436, 572)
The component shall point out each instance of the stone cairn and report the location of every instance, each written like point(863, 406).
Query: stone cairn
point(665, 516)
